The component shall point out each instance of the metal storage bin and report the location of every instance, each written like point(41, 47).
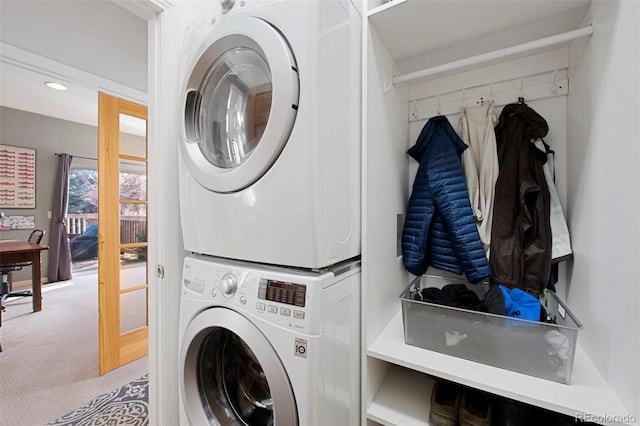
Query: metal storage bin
point(544, 350)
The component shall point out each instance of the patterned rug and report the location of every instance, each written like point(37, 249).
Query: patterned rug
point(128, 405)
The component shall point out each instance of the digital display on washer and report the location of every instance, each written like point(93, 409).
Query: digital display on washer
point(282, 292)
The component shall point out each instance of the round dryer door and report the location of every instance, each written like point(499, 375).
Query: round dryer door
point(240, 104)
point(232, 375)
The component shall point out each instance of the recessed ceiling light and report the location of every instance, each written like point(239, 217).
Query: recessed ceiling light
point(54, 85)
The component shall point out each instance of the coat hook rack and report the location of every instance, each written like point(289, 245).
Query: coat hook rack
point(499, 88)
point(414, 109)
point(521, 93)
point(554, 84)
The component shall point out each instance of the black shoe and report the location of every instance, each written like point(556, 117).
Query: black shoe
point(511, 413)
point(445, 404)
point(476, 409)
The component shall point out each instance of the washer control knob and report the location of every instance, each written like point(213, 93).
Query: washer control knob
point(227, 5)
point(228, 285)
point(243, 300)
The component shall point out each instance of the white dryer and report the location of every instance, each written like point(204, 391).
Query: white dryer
point(267, 345)
point(270, 155)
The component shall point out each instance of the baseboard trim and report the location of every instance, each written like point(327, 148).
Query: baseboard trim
point(26, 284)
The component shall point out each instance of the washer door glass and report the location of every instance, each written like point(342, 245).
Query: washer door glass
point(241, 101)
point(232, 375)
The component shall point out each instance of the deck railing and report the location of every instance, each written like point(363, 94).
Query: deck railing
point(78, 223)
point(133, 229)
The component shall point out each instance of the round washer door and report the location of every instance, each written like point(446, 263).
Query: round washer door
point(232, 375)
point(240, 104)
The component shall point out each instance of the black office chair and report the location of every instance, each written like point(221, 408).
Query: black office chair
point(5, 290)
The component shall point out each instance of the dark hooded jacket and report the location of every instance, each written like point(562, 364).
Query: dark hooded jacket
point(439, 228)
point(521, 230)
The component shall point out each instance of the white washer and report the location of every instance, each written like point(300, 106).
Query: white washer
point(267, 345)
point(270, 155)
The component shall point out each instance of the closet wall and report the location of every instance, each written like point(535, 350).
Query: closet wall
point(604, 193)
point(588, 92)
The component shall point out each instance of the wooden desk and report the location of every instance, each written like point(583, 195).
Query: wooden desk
point(14, 251)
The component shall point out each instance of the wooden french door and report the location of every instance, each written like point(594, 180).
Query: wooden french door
point(123, 292)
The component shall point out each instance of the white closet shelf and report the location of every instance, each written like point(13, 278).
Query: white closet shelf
point(588, 392)
point(499, 54)
point(415, 29)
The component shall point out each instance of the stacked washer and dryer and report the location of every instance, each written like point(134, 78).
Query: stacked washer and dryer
point(269, 170)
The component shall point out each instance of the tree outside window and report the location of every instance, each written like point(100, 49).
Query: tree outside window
point(83, 191)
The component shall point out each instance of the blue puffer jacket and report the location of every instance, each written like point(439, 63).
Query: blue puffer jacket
point(439, 229)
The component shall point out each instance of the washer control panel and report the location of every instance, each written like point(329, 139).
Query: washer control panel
point(228, 285)
point(282, 292)
point(274, 296)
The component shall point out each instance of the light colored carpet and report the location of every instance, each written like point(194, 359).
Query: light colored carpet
point(49, 363)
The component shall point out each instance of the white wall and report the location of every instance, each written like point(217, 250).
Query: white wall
point(604, 194)
point(47, 136)
point(99, 37)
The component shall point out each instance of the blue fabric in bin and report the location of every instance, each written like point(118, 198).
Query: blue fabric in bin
point(520, 304)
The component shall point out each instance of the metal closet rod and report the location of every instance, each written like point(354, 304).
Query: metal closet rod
point(496, 54)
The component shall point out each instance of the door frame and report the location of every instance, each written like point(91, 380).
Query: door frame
point(166, 250)
point(165, 242)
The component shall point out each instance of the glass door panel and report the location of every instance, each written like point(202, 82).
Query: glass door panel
point(133, 310)
point(133, 136)
point(133, 223)
point(133, 179)
point(122, 200)
point(132, 172)
point(134, 274)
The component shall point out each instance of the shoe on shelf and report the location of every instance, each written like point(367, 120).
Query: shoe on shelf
point(445, 404)
point(512, 413)
point(475, 409)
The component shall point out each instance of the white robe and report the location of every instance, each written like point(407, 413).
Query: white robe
point(480, 164)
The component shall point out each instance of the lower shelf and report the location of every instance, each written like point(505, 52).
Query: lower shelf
point(411, 406)
point(588, 394)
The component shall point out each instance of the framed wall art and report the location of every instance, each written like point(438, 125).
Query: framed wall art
point(17, 177)
point(9, 223)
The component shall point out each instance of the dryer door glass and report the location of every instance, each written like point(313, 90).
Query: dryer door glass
point(236, 100)
point(240, 104)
